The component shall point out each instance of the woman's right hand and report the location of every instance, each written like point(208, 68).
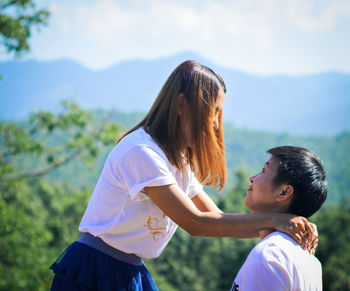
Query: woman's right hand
point(302, 231)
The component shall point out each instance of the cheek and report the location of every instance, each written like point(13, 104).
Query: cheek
point(186, 132)
point(261, 186)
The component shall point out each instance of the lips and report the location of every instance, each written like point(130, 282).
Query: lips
point(250, 188)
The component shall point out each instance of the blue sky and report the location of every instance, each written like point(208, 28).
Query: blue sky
point(265, 37)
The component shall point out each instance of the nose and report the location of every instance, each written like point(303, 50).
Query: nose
point(251, 179)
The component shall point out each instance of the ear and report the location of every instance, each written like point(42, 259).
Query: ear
point(180, 101)
point(286, 194)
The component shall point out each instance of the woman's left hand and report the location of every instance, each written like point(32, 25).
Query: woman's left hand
point(312, 241)
point(307, 232)
point(303, 231)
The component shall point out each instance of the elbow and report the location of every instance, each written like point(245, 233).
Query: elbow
point(193, 231)
point(195, 227)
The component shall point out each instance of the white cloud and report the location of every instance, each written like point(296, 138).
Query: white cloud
point(235, 33)
point(107, 22)
point(300, 13)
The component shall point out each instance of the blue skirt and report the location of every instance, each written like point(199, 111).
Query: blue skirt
point(81, 267)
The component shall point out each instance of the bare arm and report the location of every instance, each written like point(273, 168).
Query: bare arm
point(181, 209)
point(205, 204)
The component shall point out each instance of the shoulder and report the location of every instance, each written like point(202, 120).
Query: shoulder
point(138, 137)
point(266, 266)
point(277, 240)
point(279, 263)
point(275, 249)
point(282, 251)
point(137, 144)
point(261, 273)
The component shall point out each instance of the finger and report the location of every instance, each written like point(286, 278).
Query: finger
point(307, 233)
point(306, 246)
point(314, 247)
point(311, 230)
point(312, 235)
point(314, 226)
point(292, 231)
point(295, 233)
point(298, 239)
point(302, 224)
point(301, 229)
point(315, 232)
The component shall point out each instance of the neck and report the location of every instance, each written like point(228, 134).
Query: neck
point(265, 232)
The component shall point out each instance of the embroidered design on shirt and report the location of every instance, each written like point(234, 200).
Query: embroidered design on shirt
point(154, 227)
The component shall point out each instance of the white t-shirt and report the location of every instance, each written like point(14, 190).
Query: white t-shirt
point(278, 263)
point(119, 211)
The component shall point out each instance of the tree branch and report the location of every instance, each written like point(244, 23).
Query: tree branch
point(42, 171)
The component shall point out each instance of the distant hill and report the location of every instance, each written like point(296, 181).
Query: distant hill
point(305, 105)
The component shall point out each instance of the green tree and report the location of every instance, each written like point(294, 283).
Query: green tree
point(334, 249)
point(24, 257)
point(39, 218)
point(17, 19)
point(53, 140)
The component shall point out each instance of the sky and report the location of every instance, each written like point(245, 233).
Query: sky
point(294, 37)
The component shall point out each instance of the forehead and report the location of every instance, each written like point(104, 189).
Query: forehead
point(272, 164)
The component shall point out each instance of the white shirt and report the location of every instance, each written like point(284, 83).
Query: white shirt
point(120, 212)
point(278, 263)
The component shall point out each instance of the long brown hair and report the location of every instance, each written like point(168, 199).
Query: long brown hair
point(200, 86)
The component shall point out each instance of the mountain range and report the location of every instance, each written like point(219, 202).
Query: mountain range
point(317, 104)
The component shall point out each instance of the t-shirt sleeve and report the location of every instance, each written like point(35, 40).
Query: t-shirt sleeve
point(142, 167)
point(262, 276)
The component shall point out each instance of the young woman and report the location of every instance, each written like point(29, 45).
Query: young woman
point(151, 183)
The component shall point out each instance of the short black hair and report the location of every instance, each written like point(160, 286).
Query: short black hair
point(303, 169)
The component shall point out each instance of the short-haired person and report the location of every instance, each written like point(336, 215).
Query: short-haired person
point(293, 180)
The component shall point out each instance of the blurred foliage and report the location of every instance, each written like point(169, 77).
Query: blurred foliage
point(333, 224)
point(17, 18)
point(53, 140)
point(39, 218)
point(37, 221)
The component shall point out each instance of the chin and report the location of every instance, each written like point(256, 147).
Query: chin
point(246, 203)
